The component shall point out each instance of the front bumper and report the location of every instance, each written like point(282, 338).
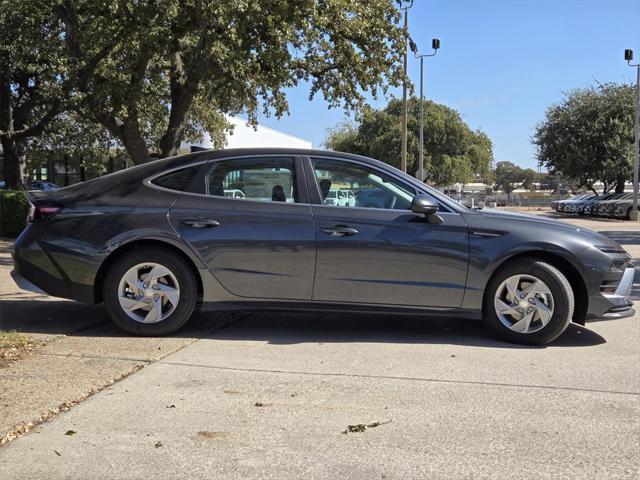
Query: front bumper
point(619, 303)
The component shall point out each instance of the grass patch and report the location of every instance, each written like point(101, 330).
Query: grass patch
point(14, 346)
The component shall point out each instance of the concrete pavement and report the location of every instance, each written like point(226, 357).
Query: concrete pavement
point(268, 397)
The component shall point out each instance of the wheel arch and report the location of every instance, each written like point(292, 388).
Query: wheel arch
point(578, 285)
point(137, 244)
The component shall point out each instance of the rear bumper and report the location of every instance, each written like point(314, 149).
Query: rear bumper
point(44, 268)
point(25, 284)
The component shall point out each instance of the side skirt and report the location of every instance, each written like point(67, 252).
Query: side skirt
point(327, 307)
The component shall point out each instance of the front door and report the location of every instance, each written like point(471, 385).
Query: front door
point(253, 227)
point(376, 250)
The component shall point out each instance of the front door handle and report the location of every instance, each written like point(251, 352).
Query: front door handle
point(339, 231)
point(199, 222)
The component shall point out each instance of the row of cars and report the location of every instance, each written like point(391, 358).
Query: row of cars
point(614, 205)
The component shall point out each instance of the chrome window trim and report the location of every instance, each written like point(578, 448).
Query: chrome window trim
point(351, 209)
point(148, 181)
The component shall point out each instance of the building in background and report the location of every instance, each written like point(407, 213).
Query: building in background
point(245, 136)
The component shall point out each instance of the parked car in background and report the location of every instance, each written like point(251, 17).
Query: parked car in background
point(561, 205)
point(573, 205)
point(584, 206)
point(623, 207)
point(43, 186)
point(157, 241)
point(604, 208)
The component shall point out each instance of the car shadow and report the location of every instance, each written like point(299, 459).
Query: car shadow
point(30, 314)
point(293, 328)
point(62, 317)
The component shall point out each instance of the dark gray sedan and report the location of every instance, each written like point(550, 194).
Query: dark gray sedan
point(253, 229)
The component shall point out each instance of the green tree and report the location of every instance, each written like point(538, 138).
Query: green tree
point(178, 65)
point(452, 151)
point(31, 93)
point(589, 135)
point(509, 177)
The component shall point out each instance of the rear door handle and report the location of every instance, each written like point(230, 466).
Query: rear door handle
point(199, 222)
point(339, 231)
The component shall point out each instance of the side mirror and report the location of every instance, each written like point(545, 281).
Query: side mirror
point(423, 204)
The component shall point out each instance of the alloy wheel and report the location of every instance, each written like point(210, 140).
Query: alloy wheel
point(148, 292)
point(524, 303)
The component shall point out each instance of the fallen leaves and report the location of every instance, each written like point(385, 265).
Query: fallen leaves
point(70, 433)
point(23, 428)
point(13, 346)
point(361, 427)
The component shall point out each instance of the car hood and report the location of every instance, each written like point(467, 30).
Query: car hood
point(590, 236)
point(526, 217)
point(596, 237)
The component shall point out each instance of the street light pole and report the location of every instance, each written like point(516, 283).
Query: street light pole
point(635, 215)
point(435, 44)
point(421, 155)
point(403, 153)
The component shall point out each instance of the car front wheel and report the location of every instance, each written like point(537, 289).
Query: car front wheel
point(528, 301)
point(150, 291)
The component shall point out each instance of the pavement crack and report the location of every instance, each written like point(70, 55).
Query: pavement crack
point(411, 379)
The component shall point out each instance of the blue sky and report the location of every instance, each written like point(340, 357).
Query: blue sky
point(501, 64)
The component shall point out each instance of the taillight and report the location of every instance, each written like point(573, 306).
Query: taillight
point(37, 212)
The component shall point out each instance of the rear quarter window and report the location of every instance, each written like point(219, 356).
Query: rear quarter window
point(178, 180)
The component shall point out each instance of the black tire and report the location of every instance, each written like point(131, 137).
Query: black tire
point(563, 300)
point(185, 278)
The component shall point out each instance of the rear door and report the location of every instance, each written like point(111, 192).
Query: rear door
point(260, 242)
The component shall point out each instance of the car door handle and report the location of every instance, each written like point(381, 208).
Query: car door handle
point(199, 222)
point(339, 231)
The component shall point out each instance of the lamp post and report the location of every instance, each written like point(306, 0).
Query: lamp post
point(435, 45)
point(628, 56)
point(405, 6)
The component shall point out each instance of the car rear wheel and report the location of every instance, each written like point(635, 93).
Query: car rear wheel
point(528, 301)
point(150, 291)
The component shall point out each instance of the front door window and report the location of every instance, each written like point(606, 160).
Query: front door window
point(346, 184)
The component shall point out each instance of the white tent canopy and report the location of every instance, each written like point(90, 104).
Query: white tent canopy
point(245, 136)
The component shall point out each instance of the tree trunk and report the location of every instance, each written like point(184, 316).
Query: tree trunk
point(171, 140)
point(14, 163)
point(620, 185)
point(134, 144)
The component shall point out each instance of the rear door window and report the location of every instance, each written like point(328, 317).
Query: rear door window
point(264, 179)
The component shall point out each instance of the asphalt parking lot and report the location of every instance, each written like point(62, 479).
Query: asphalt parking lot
point(269, 395)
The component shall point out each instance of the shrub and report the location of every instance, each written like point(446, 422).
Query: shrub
point(14, 208)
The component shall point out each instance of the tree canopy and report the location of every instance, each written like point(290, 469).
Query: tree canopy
point(154, 73)
point(33, 84)
point(588, 136)
point(453, 152)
